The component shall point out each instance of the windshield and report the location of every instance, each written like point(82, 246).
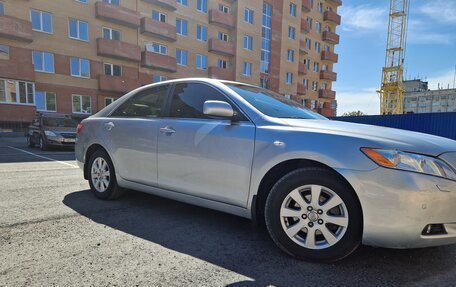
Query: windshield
point(60, 122)
point(273, 104)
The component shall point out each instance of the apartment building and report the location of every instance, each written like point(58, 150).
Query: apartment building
point(77, 56)
point(419, 99)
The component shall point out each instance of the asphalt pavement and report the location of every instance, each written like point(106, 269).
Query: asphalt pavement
point(53, 232)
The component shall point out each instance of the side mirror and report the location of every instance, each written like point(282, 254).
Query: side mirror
point(218, 109)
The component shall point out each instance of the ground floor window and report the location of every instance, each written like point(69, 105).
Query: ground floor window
point(19, 92)
point(82, 104)
point(46, 101)
point(108, 101)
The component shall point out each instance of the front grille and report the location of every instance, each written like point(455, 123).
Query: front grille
point(69, 135)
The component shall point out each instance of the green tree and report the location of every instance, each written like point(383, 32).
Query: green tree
point(353, 114)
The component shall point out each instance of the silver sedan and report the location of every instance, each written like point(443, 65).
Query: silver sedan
point(320, 187)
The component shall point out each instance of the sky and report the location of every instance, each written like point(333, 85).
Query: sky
point(430, 52)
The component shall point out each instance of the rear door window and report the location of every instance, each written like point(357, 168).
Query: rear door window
point(145, 104)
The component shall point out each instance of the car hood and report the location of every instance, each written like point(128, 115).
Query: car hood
point(381, 137)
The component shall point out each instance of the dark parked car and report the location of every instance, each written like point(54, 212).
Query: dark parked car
point(52, 130)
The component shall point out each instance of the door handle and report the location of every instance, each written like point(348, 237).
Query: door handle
point(109, 126)
point(167, 130)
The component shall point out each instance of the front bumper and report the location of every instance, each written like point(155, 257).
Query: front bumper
point(60, 141)
point(398, 205)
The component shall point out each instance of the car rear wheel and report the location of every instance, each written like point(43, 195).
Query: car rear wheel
point(102, 177)
point(30, 142)
point(312, 214)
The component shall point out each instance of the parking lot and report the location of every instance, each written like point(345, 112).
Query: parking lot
point(54, 232)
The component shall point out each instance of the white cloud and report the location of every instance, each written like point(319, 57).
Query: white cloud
point(443, 11)
point(442, 79)
point(365, 100)
point(363, 17)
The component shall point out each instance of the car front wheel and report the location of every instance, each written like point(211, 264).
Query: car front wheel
point(312, 214)
point(102, 178)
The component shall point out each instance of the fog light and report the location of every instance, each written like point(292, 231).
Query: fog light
point(434, 229)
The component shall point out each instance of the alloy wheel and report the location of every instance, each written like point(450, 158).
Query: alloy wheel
point(100, 174)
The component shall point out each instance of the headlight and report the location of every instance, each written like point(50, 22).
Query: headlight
point(50, 134)
point(410, 162)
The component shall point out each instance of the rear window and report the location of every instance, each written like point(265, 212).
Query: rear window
point(60, 122)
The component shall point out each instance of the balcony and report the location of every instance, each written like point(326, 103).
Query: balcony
point(302, 47)
point(221, 47)
point(118, 50)
point(117, 84)
point(19, 66)
point(305, 26)
point(116, 14)
point(329, 56)
point(16, 29)
point(330, 37)
point(306, 7)
point(331, 16)
point(335, 2)
point(302, 68)
point(222, 19)
point(326, 94)
point(165, 4)
point(328, 75)
point(327, 110)
point(158, 61)
point(222, 74)
point(158, 29)
point(302, 90)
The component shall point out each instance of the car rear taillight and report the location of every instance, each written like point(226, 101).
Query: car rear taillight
point(79, 128)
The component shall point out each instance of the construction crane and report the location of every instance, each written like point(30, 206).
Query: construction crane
point(392, 89)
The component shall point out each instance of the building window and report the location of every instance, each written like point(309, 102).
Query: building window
point(111, 34)
point(328, 48)
point(320, 7)
point(248, 16)
point(43, 61)
point(81, 104)
point(222, 64)
point(305, 82)
point(78, 30)
point(247, 69)
point(201, 33)
point(307, 63)
point(223, 36)
point(317, 47)
point(248, 42)
point(112, 2)
point(316, 67)
point(158, 16)
point(289, 78)
point(2, 9)
point(224, 8)
point(324, 67)
point(41, 21)
point(19, 92)
point(45, 101)
point(201, 62)
point(157, 48)
point(318, 26)
point(308, 43)
point(290, 56)
point(201, 5)
point(291, 32)
point(108, 101)
point(82, 1)
point(4, 52)
point(181, 57)
point(112, 70)
point(157, 78)
point(293, 9)
point(181, 27)
point(264, 83)
point(266, 38)
point(309, 21)
point(182, 2)
point(314, 86)
point(80, 67)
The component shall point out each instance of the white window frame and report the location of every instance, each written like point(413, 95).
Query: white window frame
point(223, 8)
point(247, 69)
point(201, 9)
point(182, 51)
point(223, 64)
point(17, 92)
point(182, 21)
point(199, 60)
point(42, 60)
point(82, 1)
point(249, 13)
point(160, 15)
point(77, 30)
point(289, 78)
point(110, 2)
point(80, 106)
point(202, 28)
point(293, 9)
point(112, 69)
point(108, 98)
point(291, 32)
point(79, 64)
point(290, 52)
point(223, 36)
point(110, 32)
point(249, 41)
point(180, 2)
point(160, 78)
point(160, 46)
point(41, 21)
point(45, 101)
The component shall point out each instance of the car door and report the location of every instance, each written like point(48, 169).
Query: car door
point(201, 156)
point(132, 135)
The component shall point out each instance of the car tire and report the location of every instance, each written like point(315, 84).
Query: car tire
point(30, 142)
point(43, 144)
point(309, 228)
point(102, 177)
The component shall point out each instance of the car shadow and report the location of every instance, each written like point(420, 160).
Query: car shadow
point(236, 244)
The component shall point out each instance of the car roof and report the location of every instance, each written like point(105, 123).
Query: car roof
point(198, 79)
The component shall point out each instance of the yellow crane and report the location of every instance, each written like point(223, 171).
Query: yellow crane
point(392, 89)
